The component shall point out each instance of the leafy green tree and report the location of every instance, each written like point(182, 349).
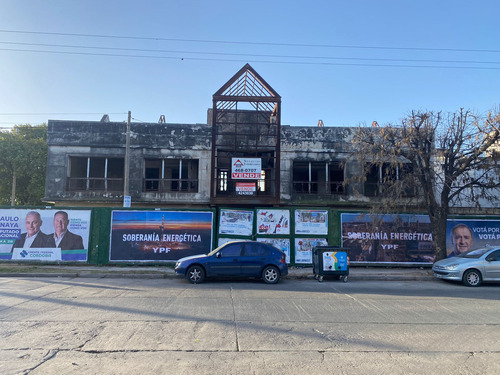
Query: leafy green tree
point(447, 161)
point(23, 160)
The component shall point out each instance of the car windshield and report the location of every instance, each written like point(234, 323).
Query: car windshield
point(477, 253)
point(213, 252)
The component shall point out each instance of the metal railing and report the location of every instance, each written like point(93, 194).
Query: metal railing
point(167, 185)
point(317, 188)
point(227, 187)
point(374, 189)
point(94, 184)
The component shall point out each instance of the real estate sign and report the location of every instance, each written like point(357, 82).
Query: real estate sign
point(246, 168)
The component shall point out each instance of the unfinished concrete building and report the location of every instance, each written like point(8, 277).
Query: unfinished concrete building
point(242, 156)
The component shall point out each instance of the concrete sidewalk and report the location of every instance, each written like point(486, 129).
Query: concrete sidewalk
point(151, 272)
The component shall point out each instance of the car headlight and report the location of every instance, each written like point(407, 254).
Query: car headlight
point(451, 267)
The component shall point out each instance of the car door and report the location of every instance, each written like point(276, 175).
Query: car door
point(492, 266)
point(254, 257)
point(226, 261)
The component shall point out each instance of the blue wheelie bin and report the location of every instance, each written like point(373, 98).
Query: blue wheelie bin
point(330, 261)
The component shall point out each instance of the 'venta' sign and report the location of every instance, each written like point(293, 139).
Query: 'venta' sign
point(246, 168)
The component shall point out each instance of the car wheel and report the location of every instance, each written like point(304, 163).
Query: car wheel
point(472, 278)
point(271, 275)
point(195, 274)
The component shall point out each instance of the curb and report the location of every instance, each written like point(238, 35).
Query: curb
point(368, 277)
point(294, 273)
point(131, 275)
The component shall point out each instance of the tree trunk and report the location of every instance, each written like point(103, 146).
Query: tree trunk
point(13, 192)
point(439, 224)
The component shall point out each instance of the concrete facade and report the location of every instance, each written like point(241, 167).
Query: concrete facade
point(68, 139)
point(94, 139)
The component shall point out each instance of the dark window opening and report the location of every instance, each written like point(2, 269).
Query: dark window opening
point(226, 185)
point(95, 174)
point(319, 178)
point(379, 177)
point(171, 175)
point(372, 181)
point(336, 179)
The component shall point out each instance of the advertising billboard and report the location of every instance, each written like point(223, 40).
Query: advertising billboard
point(159, 235)
point(304, 248)
point(470, 234)
point(44, 235)
point(236, 222)
point(271, 221)
point(388, 238)
point(311, 222)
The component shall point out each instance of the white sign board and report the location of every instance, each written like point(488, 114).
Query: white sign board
point(52, 254)
point(245, 188)
point(127, 200)
point(246, 168)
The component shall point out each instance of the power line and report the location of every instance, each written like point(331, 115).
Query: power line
point(253, 61)
point(247, 54)
point(250, 43)
point(61, 113)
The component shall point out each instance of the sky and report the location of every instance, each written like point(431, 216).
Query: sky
point(347, 63)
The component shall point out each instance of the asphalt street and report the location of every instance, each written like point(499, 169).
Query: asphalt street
point(10, 269)
point(84, 325)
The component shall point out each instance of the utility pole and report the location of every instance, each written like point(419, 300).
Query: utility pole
point(126, 193)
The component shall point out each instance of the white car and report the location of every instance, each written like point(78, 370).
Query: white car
point(472, 267)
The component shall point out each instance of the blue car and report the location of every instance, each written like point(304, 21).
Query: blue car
point(235, 259)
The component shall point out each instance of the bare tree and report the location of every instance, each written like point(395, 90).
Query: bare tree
point(433, 162)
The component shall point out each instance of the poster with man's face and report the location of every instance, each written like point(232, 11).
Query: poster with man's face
point(44, 235)
point(465, 235)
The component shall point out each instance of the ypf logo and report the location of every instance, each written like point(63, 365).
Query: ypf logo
point(23, 253)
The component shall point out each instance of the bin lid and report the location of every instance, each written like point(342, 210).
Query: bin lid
point(329, 248)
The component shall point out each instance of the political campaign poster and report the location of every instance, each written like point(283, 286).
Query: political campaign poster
point(44, 235)
point(159, 235)
point(304, 248)
point(280, 243)
point(311, 222)
point(470, 234)
point(270, 221)
point(236, 222)
point(398, 238)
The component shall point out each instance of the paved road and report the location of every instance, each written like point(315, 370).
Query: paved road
point(168, 326)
